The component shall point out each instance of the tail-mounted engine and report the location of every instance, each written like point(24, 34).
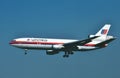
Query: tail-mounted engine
point(89, 36)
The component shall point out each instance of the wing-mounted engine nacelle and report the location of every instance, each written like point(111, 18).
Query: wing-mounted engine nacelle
point(89, 36)
point(58, 46)
point(51, 52)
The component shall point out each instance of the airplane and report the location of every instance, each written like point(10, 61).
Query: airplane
point(68, 46)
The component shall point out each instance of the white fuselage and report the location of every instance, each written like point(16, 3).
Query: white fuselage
point(48, 44)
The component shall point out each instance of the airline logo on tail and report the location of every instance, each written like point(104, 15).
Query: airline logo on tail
point(104, 31)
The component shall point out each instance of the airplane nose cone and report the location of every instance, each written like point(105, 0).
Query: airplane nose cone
point(12, 42)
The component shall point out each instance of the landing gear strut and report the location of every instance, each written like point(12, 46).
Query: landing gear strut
point(26, 51)
point(71, 52)
point(66, 54)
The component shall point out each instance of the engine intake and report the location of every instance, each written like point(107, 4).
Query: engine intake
point(51, 52)
point(89, 36)
point(58, 46)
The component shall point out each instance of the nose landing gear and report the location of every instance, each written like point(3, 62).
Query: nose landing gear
point(26, 51)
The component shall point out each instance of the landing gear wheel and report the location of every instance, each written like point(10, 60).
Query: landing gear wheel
point(65, 56)
point(25, 51)
point(71, 53)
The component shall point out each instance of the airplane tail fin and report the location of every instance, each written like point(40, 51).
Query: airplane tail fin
point(103, 39)
point(104, 30)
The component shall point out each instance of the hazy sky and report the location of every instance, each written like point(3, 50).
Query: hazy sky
point(74, 19)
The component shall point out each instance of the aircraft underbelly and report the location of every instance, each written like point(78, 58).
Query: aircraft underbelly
point(33, 46)
point(50, 47)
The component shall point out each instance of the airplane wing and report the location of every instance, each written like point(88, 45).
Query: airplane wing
point(71, 45)
point(80, 42)
point(104, 42)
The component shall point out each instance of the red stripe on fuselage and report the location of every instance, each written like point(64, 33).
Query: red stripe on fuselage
point(25, 42)
point(49, 43)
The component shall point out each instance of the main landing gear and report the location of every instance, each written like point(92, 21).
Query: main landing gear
point(67, 54)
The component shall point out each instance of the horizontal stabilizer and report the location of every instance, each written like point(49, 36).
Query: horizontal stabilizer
point(104, 42)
